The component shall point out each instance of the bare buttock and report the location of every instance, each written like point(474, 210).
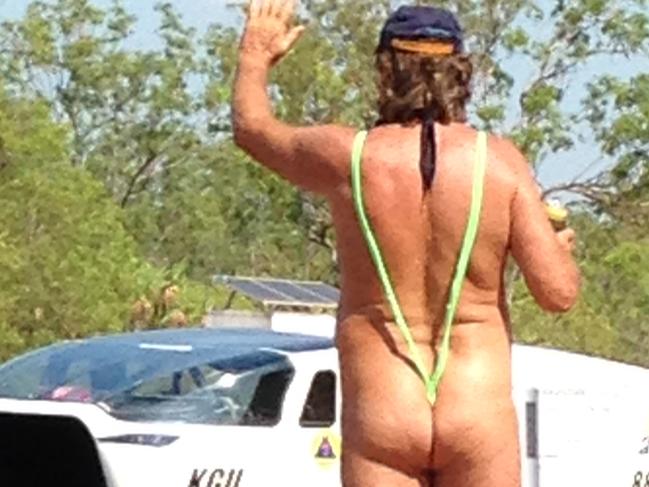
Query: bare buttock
point(388, 416)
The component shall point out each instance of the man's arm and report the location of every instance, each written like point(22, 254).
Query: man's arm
point(314, 158)
point(543, 255)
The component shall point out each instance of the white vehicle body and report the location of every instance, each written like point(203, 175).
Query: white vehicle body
point(212, 456)
point(583, 421)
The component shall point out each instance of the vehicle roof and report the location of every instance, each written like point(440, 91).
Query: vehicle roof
point(172, 349)
point(212, 338)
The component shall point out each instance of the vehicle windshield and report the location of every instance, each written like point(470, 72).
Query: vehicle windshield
point(157, 383)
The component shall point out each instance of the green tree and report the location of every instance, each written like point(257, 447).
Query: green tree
point(152, 127)
point(68, 266)
point(126, 109)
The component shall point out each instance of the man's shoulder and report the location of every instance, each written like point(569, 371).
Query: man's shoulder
point(507, 149)
point(327, 138)
point(322, 156)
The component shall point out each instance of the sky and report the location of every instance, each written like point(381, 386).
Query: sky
point(197, 13)
point(557, 169)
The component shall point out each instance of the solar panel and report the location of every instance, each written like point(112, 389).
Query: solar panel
point(328, 292)
point(255, 290)
point(296, 291)
point(283, 292)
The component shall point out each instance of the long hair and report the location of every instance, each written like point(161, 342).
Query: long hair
point(427, 89)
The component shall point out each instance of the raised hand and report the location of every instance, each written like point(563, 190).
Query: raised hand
point(269, 32)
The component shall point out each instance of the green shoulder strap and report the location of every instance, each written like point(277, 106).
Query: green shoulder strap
point(431, 381)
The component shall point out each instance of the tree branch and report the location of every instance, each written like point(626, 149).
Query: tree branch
point(591, 190)
point(134, 179)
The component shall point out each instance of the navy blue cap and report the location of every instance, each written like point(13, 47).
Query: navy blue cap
point(413, 23)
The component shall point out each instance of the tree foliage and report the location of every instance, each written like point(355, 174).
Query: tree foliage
point(131, 153)
point(69, 268)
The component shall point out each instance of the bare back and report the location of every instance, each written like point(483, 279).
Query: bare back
point(420, 234)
